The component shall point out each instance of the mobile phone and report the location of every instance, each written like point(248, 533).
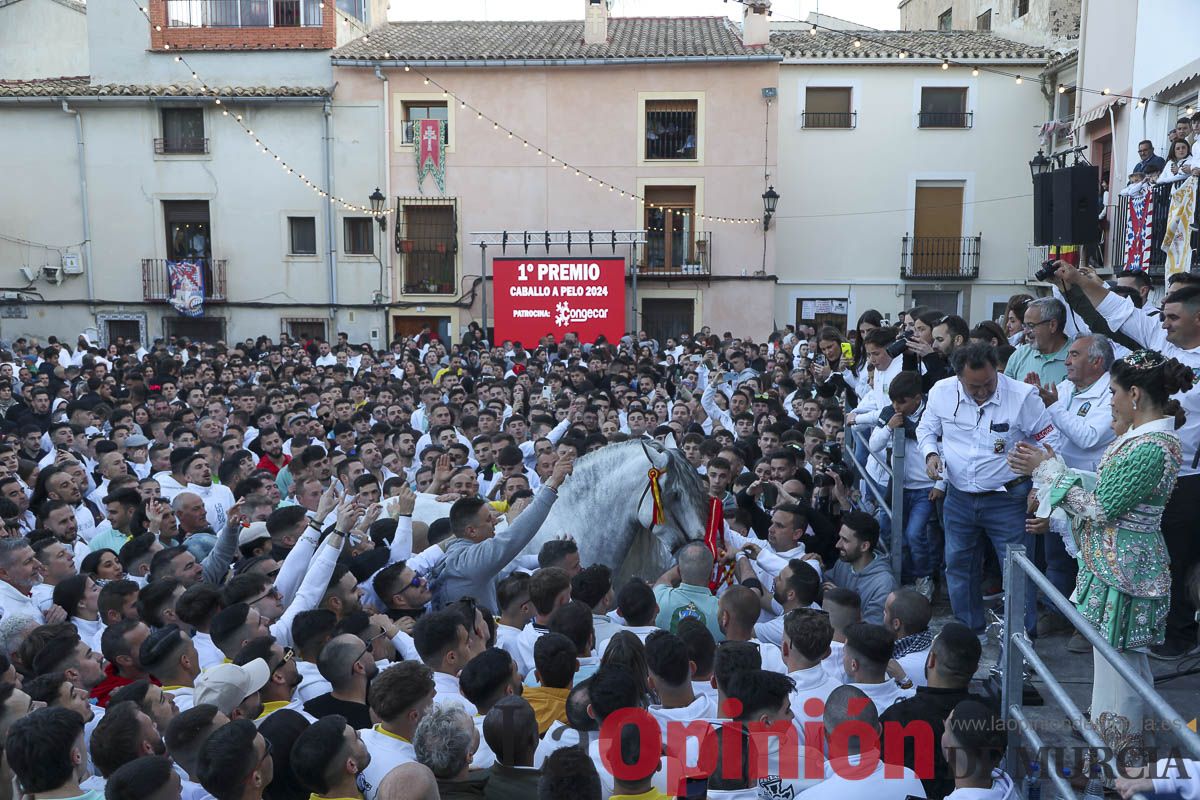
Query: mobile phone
point(695, 359)
point(819, 359)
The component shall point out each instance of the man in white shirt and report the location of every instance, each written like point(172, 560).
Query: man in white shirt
point(549, 589)
point(866, 655)
point(671, 679)
point(443, 643)
point(637, 606)
point(807, 636)
point(906, 613)
point(737, 611)
point(400, 696)
point(980, 416)
point(1081, 408)
point(20, 571)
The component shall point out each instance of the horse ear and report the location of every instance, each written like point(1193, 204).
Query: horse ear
point(656, 455)
point(669, 441)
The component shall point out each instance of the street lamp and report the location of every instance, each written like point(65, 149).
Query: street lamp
point(377, 200)
point(770, 200)
point(1040, 165)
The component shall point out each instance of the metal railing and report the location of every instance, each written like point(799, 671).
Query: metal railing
point(690, 254)
point(670, 134)
point(156, 284)
point(182, 145)
point(244, 13)
point(1018, 651)
point(895, 544)
point(1160, 205)
point(945, 119)
point(829, 119)
point(940, 257)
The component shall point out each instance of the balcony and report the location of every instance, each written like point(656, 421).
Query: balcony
point(178, 146)
point(1155, 262)
point(829, 119)
point(946, 258)
point(945, 119)
point(156, 285)
point(244, 13)
point(678, 254)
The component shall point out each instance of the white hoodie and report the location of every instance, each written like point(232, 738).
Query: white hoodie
point(1003, 788)
point(1172, 782)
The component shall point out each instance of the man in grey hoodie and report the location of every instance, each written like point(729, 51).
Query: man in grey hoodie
point(476, 554)
point(860, 568)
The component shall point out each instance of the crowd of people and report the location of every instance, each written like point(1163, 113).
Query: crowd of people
point(293, 570)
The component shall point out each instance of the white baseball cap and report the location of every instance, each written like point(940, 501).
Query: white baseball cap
point(227, 685)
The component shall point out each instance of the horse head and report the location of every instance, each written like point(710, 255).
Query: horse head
point(685, 511)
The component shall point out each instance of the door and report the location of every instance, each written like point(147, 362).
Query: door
point(667, 317)
point(670, 228)
point(189, 236)
point(937, 231)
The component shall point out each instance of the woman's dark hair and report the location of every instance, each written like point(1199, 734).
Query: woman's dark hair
point(91, 562)
point(626, 651)
point(1158, 382)
point(869, 317)
point(69, 592)
point(1186, 143)
point(1017, 304)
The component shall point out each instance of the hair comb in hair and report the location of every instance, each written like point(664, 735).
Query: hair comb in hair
point(1143, 360)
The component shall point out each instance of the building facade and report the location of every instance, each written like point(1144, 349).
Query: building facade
point(1035, 22)
point(905, 183)
point(135, 166)
point(669, 110)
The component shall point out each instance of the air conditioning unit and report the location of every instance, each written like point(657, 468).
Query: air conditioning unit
point(29, 274)
point(52, 273)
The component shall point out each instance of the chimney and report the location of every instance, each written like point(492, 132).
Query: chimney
point(595, 22)
point(756, 31)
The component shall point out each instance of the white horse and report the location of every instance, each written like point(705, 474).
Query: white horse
point(607, 506)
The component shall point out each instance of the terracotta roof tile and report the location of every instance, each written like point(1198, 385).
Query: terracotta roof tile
point(888, 44)
point(628, 37)
point(81, 86)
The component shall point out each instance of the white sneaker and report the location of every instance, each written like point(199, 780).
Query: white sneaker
point(924, 586)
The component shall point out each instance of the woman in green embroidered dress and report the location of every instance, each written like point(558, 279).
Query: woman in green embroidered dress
point(1124, 582)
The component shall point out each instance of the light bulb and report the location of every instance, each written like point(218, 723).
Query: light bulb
point(813, 30)
point(975, 71)
point(945, 64)
point(1019, 80)
point(1105, 90)
point(1062, 89)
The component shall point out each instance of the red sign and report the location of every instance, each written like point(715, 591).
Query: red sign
point(536, 297)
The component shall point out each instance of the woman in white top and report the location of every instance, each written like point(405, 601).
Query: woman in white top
point(1179, 163)
point(79, 596)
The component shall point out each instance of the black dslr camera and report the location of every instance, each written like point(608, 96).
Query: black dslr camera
point(897, 348)
point(1046, 270)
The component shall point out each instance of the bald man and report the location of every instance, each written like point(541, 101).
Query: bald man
point(410, 781)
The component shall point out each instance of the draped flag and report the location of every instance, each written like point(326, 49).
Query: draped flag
point(186, 279)
point(430, 151)
point(714, 539)
point(1138, 231)
point(1177, 239)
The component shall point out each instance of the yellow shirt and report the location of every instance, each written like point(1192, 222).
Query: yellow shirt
point(271, 707)
point(379, 729)
point(652, 794)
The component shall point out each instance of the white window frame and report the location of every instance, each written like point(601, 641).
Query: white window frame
point(854, 86)
point(643, 97)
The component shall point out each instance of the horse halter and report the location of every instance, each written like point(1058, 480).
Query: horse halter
point(657, 518)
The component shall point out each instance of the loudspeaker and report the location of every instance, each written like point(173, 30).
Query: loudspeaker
point(1076, 210)
point(1043, 209)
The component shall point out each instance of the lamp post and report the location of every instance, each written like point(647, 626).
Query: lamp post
point(377, 200)
point(770, 200)
point(1040, 164)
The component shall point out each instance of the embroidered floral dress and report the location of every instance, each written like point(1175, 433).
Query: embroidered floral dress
point(1124, 582)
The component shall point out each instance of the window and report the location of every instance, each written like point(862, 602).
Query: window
point(670, 230)
point(358, 238)
point(428, 240)
point(671, 127)
point(183, 132)
point(944, 107)
point(1020, 8)
point(946, 20)
point(828, 108)
point(303, 329)
point(945, 302)
point(984, 21)
point(1065, 105)
point(413, 112)
point(302, 236)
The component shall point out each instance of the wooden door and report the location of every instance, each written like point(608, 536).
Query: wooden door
point(937, 230)
point(667, 318)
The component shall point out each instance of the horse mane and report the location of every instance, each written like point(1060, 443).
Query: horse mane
point(593, 468)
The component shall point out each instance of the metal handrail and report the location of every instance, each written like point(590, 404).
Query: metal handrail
point(1019, 569)
point(895, 549)
point(1029, 730)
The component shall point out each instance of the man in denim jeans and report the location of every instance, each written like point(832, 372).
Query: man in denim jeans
point(979, 415)
point(908, 403)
